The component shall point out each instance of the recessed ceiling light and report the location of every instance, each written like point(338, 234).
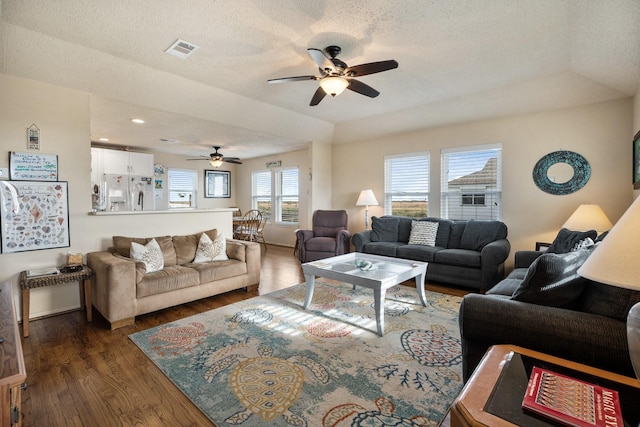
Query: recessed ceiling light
point(103, 139)
point(137, 120)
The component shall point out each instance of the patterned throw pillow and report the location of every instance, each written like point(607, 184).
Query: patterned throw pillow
point(150, 255)
point(423, 233)
point(211, 250)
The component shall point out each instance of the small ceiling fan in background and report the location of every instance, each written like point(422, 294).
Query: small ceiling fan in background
point(216, 159)
point(336, 76)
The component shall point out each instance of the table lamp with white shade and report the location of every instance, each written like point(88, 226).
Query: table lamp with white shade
point(588, 217)
point(366, 198)
point(615, 262)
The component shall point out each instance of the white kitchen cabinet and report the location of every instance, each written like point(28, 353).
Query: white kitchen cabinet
point(120, 162)
point(140, 164)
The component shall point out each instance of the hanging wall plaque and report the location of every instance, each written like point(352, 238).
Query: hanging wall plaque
point(33, 137)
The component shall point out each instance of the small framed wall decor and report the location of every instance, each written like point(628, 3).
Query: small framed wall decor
point(33, 137)
point(217, 184)
point(636, 161)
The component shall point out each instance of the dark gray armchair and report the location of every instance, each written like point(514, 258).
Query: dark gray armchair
point(328, 238)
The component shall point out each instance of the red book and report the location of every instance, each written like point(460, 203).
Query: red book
point(571, 401)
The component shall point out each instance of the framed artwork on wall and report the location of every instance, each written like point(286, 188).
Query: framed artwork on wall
point(636, 161)
point(34, 215)
point(217, 184)
point(33, 166)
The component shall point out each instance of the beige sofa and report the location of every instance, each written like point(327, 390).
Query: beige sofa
point(122, 289)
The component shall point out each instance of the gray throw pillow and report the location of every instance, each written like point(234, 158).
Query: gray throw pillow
point(553, 280)
point(606, 300)
point(566, 240)
point(384, 229)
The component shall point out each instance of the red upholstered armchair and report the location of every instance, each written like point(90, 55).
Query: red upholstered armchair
point(328, 238)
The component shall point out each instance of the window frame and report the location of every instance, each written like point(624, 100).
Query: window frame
point(256, 198)
point(389, 194)
point(279, 196)
point(491, 208)
point(193, 190)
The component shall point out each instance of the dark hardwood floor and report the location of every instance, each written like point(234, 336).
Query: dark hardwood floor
point(83, 374)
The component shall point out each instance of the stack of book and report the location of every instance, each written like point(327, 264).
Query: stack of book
point(45, 271)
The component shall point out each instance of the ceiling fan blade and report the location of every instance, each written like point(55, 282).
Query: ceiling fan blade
point(232, 160)
point(318, 96)
point(361, 88)
point(322, 61)
point(203, 158)
point(292, 79)
point(371, 68)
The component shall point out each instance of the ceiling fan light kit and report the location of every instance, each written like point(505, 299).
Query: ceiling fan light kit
point(333, 85)
point(336, 76)
point(216, 163)
point(216, 159)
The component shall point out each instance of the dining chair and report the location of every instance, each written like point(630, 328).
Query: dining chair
point(248, 226)
point(260, 231)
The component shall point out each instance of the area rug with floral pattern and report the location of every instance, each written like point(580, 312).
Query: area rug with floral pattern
point(267, 361)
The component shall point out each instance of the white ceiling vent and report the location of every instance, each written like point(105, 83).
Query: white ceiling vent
point(181, 49)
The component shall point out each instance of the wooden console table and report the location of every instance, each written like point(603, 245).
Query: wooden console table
point(12, 369)
point(493, 395)
point(28, 283)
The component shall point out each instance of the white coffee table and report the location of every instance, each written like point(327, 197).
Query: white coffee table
point(388, 272)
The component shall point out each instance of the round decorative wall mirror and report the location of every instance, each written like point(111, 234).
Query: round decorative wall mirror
point(561, 172)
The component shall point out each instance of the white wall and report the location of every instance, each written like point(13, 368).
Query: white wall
point(63, 118)
point(180, 162)
point(600, 132)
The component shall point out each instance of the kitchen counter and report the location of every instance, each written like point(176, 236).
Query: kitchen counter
point(172, 211)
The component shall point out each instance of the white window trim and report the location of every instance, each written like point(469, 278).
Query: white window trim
point(277, 196)
point(388, 194)
point(193, 190)
point(444, 172)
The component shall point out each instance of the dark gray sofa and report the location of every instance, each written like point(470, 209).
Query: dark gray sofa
point(559, 313)
point(465, 253)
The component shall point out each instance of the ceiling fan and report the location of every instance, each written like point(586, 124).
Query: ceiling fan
point(336, 76)
point(217, 158)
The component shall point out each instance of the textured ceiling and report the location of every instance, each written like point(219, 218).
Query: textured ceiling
point(458, 61)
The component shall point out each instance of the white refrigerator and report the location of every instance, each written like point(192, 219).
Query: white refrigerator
point(129, 192)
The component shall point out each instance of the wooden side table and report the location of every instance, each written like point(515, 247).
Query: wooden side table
point(499, 383)
point(28, 283)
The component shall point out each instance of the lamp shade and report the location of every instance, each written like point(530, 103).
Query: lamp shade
point(615, 260)
point(588, 217)
point(333, 85)
point(367, 198)
point(216, 162)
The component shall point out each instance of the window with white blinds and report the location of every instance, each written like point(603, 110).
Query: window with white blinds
point(287, 195)
point(182, 188)
point(406, 185)
point(275, 193)
point(472, 183)
point(261, 192)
